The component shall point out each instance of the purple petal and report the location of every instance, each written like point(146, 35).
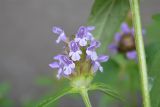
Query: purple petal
point(89, 36)
point(112, 48)
point(81, 32)
point(90, 28)
point(97, 66)
point(125, 28)
point(57, 30)
point(73, 46)
point(54, 65)
point(103, 58)
point(62, 37)
point(93, 56)
point(69, 69)
point(117, 37)
point(60, 33)
point(94, 44)
point(65, 60)
point(57, 57)
point(131, 55)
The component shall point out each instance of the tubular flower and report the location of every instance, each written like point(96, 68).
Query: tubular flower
point(124, 42)
point(80, 57)
point(74, 51)
point(83, 35)
point(61, 34)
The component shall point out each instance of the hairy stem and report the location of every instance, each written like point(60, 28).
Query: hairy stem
point(85, 97)
point(140, 51)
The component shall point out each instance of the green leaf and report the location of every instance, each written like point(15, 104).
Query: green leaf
point(153, 61)
point(107, 16)
point(106, 89)
point(52, 99)
point(155, 86)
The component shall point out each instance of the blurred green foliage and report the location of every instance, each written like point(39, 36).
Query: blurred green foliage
point(153, 59)
point(5, 101)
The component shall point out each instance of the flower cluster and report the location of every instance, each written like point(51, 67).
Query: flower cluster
point(79, 57)
point(124, 42)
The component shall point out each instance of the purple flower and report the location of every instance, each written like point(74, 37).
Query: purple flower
point(96, 62)
point(74, 51)
point(65, 65)
point(83, 35)
point(124, 42)
point(91, 49)
point(60, 33)
point(69, 66)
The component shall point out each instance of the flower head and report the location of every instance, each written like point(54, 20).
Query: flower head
point(124, 42)
point(81, 57)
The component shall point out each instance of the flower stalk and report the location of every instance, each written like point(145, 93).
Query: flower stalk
point(85, 97)
point(140, 51)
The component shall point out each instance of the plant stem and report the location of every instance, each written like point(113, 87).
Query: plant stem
point(140, 51)
point(85, 97)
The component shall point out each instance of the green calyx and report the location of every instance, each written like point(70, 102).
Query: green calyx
point(81, 82)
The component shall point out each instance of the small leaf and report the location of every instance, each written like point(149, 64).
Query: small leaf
point(52, 99)
point(106, 16)
point(106, 89)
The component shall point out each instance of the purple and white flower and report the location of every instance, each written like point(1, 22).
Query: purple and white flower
point(65, 65)
point(74, 51)
point(61, 34)
point(91, 50)
point(83, 35)
point(96, 63)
